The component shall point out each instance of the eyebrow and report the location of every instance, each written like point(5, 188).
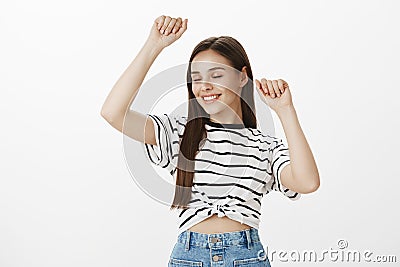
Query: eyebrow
point(215, 68)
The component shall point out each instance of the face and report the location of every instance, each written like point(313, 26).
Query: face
point(213, 76)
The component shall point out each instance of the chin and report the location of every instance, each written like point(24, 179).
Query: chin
point(212, 111)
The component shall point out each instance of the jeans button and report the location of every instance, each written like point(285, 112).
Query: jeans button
point(215, 258)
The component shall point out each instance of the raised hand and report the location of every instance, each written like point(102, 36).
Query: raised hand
point(275, 93)
point(167, 30)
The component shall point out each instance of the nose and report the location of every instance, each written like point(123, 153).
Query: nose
point(205, 85)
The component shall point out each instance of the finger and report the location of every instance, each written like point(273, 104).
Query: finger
point(264, 85)
point(258, 84)
point(280, 85)
point(178, 24)
point(285, 85)
point(182, 29)
point(261, 93)
point(276, 88)
point(165, 25)
point(159, 21)
point(170, 26)
point(270, 88)
point(264, 96)
point(259, 87)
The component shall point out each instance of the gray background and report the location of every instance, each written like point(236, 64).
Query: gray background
point(66, 195)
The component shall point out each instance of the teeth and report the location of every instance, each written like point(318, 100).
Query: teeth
point(207, 98)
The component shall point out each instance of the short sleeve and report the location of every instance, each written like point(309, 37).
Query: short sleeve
point(168, 130)
point(279, 158)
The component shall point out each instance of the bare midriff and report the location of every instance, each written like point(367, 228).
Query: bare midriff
point(215, 224)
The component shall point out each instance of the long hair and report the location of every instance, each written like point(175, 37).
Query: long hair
point(195, 130)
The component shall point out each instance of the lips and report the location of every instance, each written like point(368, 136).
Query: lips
point(210, 98)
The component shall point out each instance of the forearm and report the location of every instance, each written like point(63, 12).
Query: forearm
point(302, 162)
point(126, 88)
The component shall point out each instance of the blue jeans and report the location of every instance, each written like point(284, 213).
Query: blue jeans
point(233, 249)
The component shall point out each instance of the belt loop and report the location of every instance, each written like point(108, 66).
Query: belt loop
point(249, 244)
point(187, 243)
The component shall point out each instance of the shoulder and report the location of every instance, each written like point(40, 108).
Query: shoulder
point(180, 119)
point(262, 135)
point(170, 122)
point(178, 122)
point(266, 141)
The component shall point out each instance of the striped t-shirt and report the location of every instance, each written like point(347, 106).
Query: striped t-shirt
point(234, 168)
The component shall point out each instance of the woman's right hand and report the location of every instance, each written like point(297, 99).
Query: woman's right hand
point(167, 30)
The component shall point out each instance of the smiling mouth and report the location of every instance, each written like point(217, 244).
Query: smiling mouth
point(211, 99)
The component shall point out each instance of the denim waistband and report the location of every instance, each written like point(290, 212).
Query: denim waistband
point(245, 237)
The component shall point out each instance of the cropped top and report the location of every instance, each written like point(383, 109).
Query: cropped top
point(234, 168)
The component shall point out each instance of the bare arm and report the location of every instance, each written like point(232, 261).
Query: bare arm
point(301, 175)
point(115, 110)
point(117, 103)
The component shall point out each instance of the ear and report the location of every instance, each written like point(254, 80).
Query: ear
point(243, 77)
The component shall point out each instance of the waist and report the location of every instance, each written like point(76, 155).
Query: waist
point(216, 224)
point(235, 238)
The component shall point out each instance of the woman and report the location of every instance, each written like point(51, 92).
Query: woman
point(234, 163)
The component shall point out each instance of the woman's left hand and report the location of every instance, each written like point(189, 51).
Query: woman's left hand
point(275, 93)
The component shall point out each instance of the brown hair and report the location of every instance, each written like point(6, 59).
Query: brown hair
point(195, 131)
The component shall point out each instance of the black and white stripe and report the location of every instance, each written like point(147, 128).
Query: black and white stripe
point(234, 169)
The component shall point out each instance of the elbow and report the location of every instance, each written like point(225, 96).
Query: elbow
point(104, 114)
point(107, 115)
point(313, 185)
point(307, 186)
point(314, 188)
